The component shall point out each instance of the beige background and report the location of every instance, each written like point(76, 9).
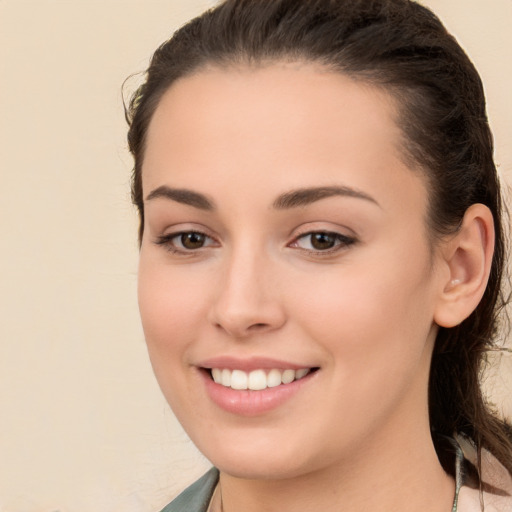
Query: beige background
point(83, 426)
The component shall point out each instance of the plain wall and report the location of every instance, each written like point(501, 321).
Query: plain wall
point(83, 426)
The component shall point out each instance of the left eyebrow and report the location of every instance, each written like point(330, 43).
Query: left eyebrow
point(306, 196)
point(183, 196)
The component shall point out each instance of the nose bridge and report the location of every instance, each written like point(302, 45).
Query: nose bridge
point(246, 301)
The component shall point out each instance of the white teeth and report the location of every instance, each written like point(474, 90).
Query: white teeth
point(225, 378)
point(238, 379)
point(288, 376)
point(217, 375)
point(273, 378)
point(257, 379)
point(301, 373)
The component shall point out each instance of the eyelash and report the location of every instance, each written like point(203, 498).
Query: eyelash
point(167, 242)
point(341, 242)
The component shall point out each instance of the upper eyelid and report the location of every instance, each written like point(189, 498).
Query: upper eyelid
point(178, 229)
point(174, 234)
point(325, 231)
point(344, 232)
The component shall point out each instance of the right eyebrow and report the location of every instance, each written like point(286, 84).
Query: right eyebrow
point(183, 196)
point(306, 196)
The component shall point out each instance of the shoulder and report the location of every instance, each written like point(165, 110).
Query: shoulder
point(469, 501)
point(495, 481)
point(195, 498)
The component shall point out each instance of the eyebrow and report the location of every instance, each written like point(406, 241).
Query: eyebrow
point(306, 196)
point(183, 196)
point(291, 199)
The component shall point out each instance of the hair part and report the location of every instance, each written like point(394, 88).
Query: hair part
point(402, 48)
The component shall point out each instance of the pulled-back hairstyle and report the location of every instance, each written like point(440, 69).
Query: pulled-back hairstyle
point(401, 47)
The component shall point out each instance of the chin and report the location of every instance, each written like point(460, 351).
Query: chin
point(259, 459)
point(261, 468)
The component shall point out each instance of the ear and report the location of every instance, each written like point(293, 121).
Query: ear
point(467, 258)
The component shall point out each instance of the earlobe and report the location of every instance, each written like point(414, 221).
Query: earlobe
point(467, 256)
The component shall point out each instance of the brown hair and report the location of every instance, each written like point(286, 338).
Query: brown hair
point(402, 47)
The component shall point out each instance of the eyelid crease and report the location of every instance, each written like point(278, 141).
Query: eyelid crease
point(328, 228)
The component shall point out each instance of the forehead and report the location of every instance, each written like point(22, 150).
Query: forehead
point(296, 122)
point(263, 99)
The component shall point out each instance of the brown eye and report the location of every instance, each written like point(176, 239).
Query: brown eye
point(192, 240)
point(185, 242)
point(322, 241)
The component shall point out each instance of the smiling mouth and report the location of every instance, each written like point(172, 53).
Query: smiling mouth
point(257, 380)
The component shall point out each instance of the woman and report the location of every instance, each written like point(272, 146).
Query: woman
point(321, 257)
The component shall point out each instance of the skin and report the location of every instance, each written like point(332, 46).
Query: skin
point(364, 313)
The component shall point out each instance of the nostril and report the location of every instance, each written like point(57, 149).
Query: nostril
point(258, 326)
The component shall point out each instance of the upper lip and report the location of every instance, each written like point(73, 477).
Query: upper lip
point(250, 364)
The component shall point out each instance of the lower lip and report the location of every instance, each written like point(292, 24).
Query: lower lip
point(252, 403)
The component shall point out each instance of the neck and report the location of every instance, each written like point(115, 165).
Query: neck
point(404, 475)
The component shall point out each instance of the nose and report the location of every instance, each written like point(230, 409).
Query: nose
point(247, 300)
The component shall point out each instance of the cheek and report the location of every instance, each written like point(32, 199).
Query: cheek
point(374, 331)
point(370, 316)
point(171, 308)
point(171, 305)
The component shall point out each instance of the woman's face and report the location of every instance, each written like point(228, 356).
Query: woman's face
point(284, 235)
